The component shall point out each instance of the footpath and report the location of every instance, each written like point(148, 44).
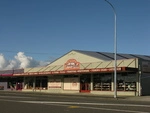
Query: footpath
point(87, 95)
point(129, 98)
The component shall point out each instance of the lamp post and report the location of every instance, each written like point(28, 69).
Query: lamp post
point(115, 50)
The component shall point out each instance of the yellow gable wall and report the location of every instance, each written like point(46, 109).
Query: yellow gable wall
point(79, 57)
point(85, 60)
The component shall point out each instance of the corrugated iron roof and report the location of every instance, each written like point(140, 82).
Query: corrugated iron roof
point(110, 56)
point(106, 56)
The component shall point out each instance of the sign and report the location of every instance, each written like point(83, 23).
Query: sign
point(74, 83)
point(72, 71)
point(71, 64)
point(54, 83)
point(71, 83)
point(6, 75)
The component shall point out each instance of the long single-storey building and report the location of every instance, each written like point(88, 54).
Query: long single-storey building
point(84, 71)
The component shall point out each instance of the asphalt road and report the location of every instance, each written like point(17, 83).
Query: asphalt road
point(19, 102)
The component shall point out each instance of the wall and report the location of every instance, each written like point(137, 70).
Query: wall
point(145, 84)
point(3, 85)
point(111, 93)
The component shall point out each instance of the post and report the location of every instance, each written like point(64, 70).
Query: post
point(115, 50)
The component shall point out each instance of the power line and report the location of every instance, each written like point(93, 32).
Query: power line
point(22, 51)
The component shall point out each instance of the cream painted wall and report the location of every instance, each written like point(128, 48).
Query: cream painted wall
point(86, 61)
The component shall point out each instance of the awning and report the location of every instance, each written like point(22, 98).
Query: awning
point(79, 71)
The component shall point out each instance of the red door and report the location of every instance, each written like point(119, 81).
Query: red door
point(18, 86)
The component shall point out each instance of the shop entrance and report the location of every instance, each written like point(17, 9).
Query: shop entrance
point(85, 81)
point(19, 86)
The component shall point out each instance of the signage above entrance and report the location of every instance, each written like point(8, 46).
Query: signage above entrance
point(72, 64)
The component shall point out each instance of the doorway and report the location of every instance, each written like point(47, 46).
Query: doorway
point(19, 86)
point(85, 81)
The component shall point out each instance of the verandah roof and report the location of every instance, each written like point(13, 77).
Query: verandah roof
point(105, 66)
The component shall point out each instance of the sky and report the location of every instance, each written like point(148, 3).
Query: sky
point(36, 32)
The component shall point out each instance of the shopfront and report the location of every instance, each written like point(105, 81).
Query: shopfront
point(35, 83)
point(11, 83)
point(89, 72)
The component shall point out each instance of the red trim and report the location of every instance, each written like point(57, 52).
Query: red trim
point(77, 71)
point(6, 75)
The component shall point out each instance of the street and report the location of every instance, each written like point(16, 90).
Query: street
point(20, 102)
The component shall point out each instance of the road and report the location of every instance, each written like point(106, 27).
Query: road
point(19, 102)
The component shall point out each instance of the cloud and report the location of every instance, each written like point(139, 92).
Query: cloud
point(20, 61)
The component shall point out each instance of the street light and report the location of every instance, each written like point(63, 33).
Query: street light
point(115, 50)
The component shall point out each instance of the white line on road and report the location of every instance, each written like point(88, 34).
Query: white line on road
point(77, 103)
point(83, 107)
point(13, 97)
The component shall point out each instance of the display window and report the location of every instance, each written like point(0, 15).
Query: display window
point(41, 82)
point(13, 83)
point(102, 82)
point(28, 83)
point(126, 82)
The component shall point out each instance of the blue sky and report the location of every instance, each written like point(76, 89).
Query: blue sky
point(47, 29)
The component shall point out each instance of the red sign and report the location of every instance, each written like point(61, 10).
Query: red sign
point(69, 71)
point(72, 64)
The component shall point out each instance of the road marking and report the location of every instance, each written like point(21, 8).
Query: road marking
point(73, 106)
point(97, 108)
point(118, 110)
point(13, 97)
point(77, 103)
point(84, 107)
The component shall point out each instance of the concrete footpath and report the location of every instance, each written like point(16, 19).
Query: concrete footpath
point(88, 95)
point(139, 98)
point(129, 98)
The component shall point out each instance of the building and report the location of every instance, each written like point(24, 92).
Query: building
point(84, 71)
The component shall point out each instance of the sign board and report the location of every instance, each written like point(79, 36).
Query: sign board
point(72, 64)
point(54, 83)
point(71, 83)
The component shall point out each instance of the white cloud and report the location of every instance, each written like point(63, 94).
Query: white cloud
point(20, 61)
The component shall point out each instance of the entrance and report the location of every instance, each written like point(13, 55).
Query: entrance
point(19, 86)
point(85, 81)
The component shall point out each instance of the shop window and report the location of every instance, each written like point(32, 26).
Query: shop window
point(126, 82)
point(102, 82)
point(41, 83)
point(29, 83)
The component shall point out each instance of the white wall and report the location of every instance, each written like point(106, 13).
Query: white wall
point(3, 85)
